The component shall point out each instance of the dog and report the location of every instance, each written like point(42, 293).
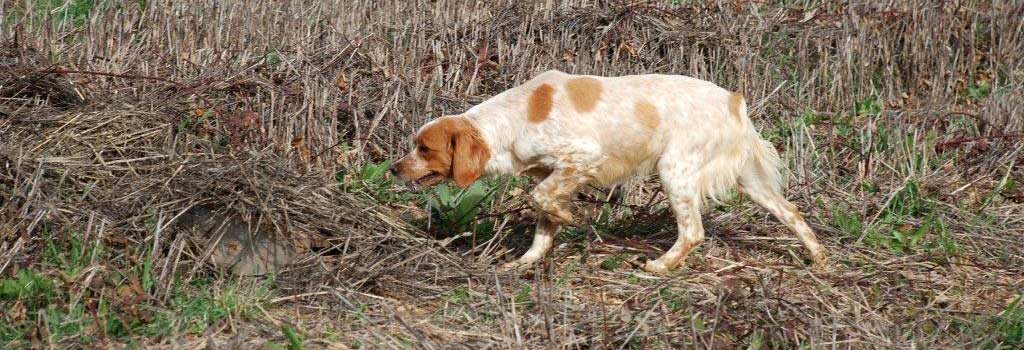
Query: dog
point(569, 130)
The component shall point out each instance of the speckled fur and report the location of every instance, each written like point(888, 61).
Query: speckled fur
point(701, 144)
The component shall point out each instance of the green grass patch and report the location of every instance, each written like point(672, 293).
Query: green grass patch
point(66, 11)
point(1010, 326)
point(117, 304)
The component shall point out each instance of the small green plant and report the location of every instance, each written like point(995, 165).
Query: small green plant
point(847, 221)
point(869, 107)
point(755, 341)
point(571, 234)
point(810, 117)
point(523, 297)
point(28, 286)
point(978, 90)
point(671, 299)
point(1010, 325)
point(633, 279)
point(294, 343)
point(908, 202)
point(273, 59)
point(869, 187)
point(844, 127)
point(908, 240)
point(458, 295)
point(612, 262)
point(455, 212)
point(74, 11)
point(909, 224)
point(196, 306)
point(372, 179)
point(190, 121)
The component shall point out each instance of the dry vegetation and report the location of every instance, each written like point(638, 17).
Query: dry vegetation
point(901, 126)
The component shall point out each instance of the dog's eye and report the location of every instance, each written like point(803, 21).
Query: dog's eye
point(423, 149)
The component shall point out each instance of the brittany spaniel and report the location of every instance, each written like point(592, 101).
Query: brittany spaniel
point(569, 130)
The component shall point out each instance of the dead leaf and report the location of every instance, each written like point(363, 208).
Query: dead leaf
point(239, 125)
point(982, 145)
point(628, 47)
point(16, 312)
point(341, 82)
point(299, 144)
point(344, 108)
point(482, 54)
point(809, 16)
point(569, 56)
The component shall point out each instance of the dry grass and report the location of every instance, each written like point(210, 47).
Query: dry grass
point(901, 126)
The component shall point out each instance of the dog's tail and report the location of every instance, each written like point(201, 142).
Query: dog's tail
point(763, 162)
point(743, 156)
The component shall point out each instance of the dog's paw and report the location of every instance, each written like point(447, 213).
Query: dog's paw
point(513, 266)
point(656, 266)
point(819, 261)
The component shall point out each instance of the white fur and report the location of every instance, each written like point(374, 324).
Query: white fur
point(700, 149)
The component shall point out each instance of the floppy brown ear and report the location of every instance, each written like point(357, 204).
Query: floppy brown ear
point(471, 154)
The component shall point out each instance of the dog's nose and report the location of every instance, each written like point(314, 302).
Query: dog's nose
point(393, 169)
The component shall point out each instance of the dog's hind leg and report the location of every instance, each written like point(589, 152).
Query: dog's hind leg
point(679, 181)
point(764, 194)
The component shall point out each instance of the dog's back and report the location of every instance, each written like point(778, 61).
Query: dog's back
point(632, 119)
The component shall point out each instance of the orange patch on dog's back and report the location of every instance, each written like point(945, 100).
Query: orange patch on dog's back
point(736, 106)
point(539, 107)
point(647, 114)
point(584, 93)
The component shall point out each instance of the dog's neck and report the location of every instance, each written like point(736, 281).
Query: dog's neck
point(499, 131)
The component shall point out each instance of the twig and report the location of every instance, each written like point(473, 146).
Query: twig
point(108, 74)
point(941, 146)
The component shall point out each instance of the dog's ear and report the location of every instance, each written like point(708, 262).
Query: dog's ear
point(470, 155)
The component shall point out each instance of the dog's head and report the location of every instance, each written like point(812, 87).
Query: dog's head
point(448, 147)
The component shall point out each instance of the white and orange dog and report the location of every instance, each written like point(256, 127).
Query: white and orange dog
point(569, 130)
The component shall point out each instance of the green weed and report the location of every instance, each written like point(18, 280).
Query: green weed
point(869, 107)
point(74, 11)
point(27, 286)
point(458, 295)
point(978, 90)
point(372, 179)
point(294, 343)
point(672, 299)
point(1002, 331)
point(523, 297)
point(909, 224)
point(849, 222)
point(810, 117)
point(455, 211)
point(1010, 325)
point(613, 262)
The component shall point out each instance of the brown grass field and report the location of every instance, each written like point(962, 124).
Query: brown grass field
point(145, 144)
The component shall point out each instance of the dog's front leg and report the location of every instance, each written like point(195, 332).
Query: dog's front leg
point(550, 200)
point(543, 239)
